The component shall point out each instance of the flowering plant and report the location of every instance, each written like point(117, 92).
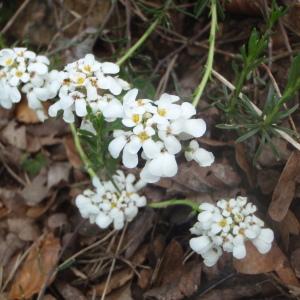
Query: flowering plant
point(150, 134)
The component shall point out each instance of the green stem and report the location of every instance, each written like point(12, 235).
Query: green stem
point(138, 43)
point(83, 156)
point(146, 34)
point(172, 202)
point(210, 58)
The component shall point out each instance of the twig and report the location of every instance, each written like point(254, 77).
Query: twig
point(210, 58)
point(14, 17)
point(284, 135)
point(113, 262)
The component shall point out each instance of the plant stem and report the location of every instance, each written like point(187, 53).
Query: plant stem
point(83, 156)
point(146, 34)
point(138, 43)
point(210, 57)
point(172, 202)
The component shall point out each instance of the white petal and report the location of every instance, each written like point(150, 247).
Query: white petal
point(129, 160)
point(204, 158)
point(195, 127)
point(188, 110)
point(151, 148)
point(80, 108)
point(110, 68)
point(130, 96)
point(116, 146)
point(266, 235)
point(262, 246)
point(170, 167)
point(239, 251)
point(200, 244)
point(172, 144)
point(68, 116)
point(66, 102)
point(103, 221)
point(53, 109)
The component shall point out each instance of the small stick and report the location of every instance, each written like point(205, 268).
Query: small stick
point(14, 17)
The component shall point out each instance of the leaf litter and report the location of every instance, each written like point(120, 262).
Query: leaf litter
point(37, 213)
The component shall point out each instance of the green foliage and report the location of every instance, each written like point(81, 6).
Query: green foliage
point(241, 114)
point(33, 165)
point(96, 144)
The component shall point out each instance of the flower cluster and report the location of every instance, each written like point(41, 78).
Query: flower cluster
point(87, 82)
point(23, 70)
point(115, 201)
point(226, 227)
point(158, 128)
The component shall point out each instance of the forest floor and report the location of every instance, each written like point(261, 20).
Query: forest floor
point(45, 245)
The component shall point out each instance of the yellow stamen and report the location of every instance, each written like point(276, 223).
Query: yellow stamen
point(162, 112)
point(222, 223)
point(80, 80)
point(19, 73)
point(135, 118)
point(87, 68)
point(9, 62)
point(143, 136)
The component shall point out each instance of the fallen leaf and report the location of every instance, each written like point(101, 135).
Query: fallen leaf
point(25, 114)
point(15, 135)
point(36, 191)
point(24, 228)
point(123, 293)
point(244, 164)
point(57, 220)
point(118, 279)
point(247, 7)
point(285, 189)
point(143, 223)
point(58, 172)
point(72, 153)
point(289, 225)
point(295, 261)
point(34, 273)
point(175, 281)
point(218, 176)
point(257, 263)
point(70, 292)
point(267, 179)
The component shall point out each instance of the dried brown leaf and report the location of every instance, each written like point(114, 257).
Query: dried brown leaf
point(285, 189)
point(34, 273)
point(247, 7)
point(72, 153)
point(69, 292)
point(257, 263)
point(37, 190)
point(25, 114)
point(243, 162)
point(15, 135)
point(118, 279)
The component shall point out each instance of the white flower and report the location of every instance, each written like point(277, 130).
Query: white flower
point(211, 257)
point(85, 83)
point(201, 244)
point(263, 242)
point(189, 127)
point(227, 226)
point(203, 157)
point(110, 205)
point(25, 71)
